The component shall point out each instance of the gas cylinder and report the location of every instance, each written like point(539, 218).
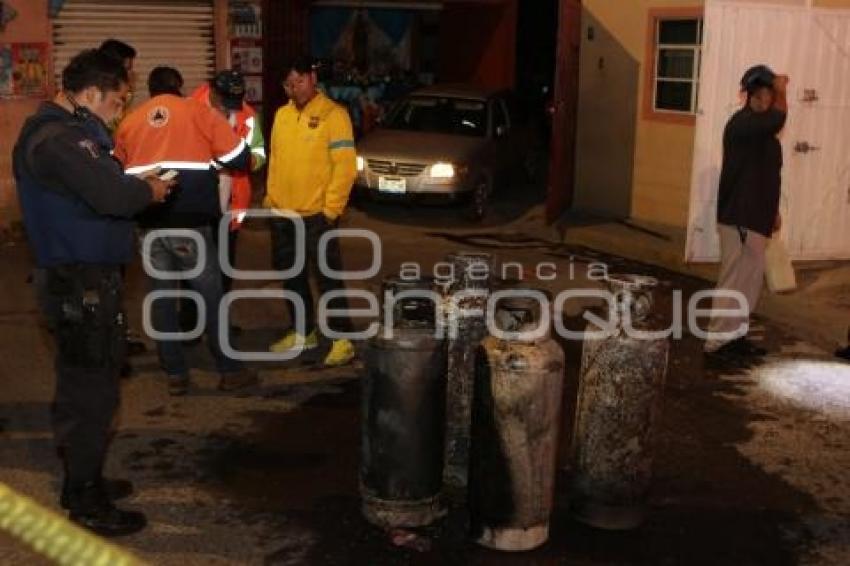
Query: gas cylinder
point(403, 414)
point(515, 426)
point(467, 316)
point(621, 378)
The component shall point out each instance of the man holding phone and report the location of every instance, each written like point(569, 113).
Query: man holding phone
point(171, 132)
point(78, 208)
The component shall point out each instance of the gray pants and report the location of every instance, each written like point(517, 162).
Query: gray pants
point(742, 270)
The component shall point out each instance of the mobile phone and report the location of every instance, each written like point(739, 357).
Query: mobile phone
point(168, 175)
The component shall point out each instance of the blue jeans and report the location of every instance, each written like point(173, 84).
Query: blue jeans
point(177, 253)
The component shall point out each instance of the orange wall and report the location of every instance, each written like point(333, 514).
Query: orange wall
point(486, 30)
point(31, 25)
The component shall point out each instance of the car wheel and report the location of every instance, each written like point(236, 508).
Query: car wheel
point(479, 203)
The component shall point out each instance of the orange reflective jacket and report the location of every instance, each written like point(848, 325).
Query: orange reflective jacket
point(247, 127)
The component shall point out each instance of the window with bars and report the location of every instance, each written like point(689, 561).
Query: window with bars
point(677, 64)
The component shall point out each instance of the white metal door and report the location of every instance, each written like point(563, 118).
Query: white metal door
point(813, 47)
point(176, 33)
point(818, 157)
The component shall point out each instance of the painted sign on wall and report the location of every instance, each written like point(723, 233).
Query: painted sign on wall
point(24, 70)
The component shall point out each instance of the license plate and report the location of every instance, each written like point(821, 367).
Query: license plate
point(392, 185)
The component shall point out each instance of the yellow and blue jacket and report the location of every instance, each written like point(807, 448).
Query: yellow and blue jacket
point(312, 163)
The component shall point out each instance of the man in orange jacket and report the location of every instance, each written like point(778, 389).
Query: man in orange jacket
point(173, 133)
point(226, 93)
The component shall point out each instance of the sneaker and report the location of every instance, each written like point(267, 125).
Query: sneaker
point(178, 385)
point(238, 379)
point(90, 507)
point(341, 353)
point(292, 338)
point(115, 489)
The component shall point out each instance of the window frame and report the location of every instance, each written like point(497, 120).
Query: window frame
point(650, 79)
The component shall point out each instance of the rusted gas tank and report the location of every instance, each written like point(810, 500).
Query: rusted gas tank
point(619, 403)
point(403, 414)
point(467, 315)
point(516, 419)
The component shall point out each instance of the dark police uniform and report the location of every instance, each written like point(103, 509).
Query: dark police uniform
point(77, 204)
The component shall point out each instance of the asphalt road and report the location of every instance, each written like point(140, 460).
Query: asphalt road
point(751, 463)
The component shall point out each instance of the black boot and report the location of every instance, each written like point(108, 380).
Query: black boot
point(90, 507)
point(115, 489)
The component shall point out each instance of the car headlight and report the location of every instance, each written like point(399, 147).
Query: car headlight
point(442, 171)
point(361, 163)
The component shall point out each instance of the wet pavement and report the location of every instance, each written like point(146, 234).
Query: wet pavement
point(750, 462)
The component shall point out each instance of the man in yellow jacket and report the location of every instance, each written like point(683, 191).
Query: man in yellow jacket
point(312, 167)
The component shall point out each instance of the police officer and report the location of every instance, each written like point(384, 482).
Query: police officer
point(77, 206)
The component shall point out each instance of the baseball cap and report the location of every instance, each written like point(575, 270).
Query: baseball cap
point(757, 77)
point(230, 86)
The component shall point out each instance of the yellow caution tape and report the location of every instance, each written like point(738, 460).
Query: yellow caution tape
point(54, 536)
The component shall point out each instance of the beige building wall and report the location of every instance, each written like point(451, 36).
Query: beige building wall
point(663, 151)
point(832, 3)
point(605, 133)
point(661, 161)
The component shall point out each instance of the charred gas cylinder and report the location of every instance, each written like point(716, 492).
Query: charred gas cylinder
point(465, 309)
point(622, 375)
point(403, 411)
point(516, 416)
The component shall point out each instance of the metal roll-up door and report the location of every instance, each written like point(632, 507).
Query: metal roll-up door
point(176, 33)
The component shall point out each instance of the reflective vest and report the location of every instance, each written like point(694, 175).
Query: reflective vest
point(62, 227)
point(246, 125)
point(173, 132)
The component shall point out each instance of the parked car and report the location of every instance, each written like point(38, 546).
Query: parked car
point(446, 142)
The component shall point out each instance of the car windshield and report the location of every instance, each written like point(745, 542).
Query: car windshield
point(442, 115)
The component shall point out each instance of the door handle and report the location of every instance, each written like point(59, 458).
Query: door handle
point(804, 147)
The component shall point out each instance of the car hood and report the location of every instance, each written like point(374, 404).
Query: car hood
point(418, 147)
